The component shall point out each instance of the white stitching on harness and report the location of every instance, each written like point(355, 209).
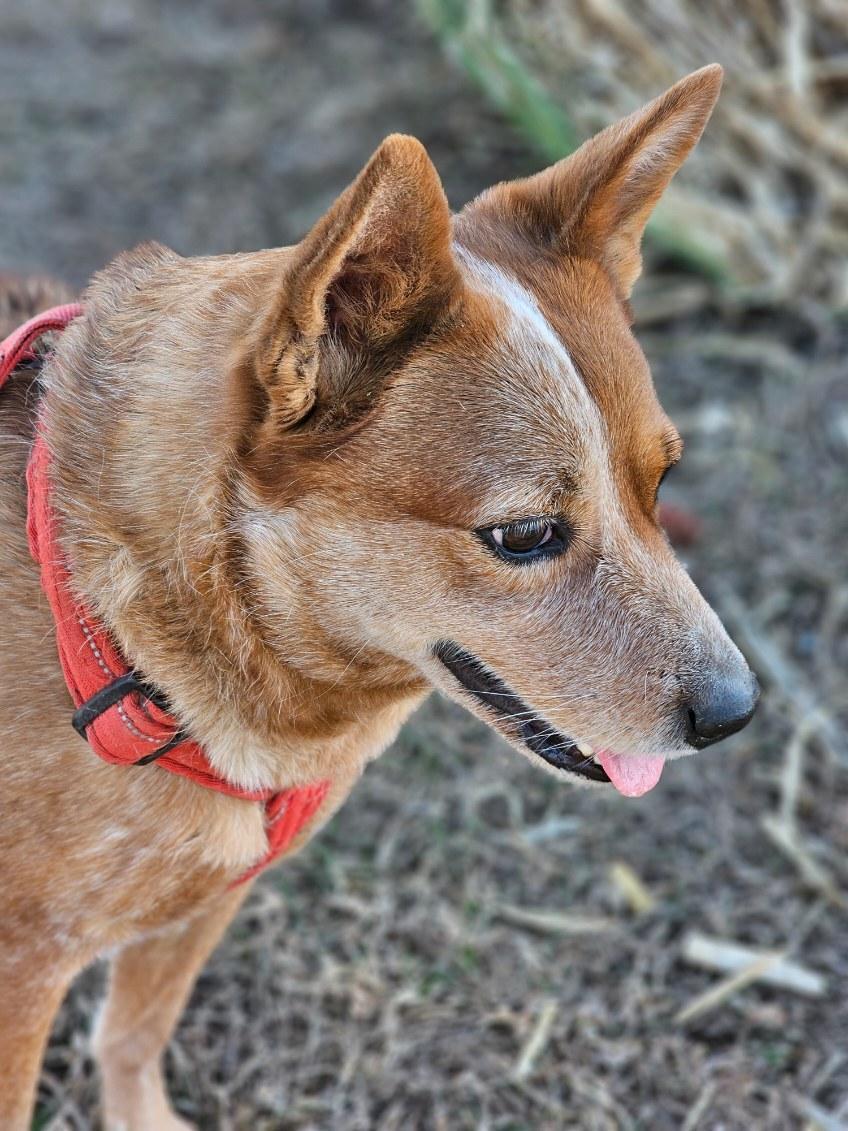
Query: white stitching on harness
point(125, 719)
point(276, 820)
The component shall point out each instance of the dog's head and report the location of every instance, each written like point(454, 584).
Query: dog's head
point(459, 447)
point(459, 426)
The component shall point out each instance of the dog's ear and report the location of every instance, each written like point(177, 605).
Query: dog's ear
point(376, 267)
point(596, 202)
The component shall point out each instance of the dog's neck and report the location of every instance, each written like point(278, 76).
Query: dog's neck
point(144, 421)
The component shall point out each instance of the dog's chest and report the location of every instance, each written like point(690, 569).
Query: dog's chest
point(89, 868)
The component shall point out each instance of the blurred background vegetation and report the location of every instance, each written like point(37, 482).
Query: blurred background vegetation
point(471, 945)
point(766, 204)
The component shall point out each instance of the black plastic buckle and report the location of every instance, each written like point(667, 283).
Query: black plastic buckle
point(129, 684)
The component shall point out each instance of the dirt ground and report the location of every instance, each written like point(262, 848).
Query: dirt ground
point(395, 976)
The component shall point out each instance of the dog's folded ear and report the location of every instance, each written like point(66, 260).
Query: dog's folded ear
point(374, 269)
point(596, 203)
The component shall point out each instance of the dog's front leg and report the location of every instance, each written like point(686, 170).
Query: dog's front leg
point(149, 984)
point(28, 1004)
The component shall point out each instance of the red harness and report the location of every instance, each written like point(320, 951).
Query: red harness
point(124, 719)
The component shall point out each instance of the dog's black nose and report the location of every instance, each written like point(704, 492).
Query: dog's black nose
point(721, 708)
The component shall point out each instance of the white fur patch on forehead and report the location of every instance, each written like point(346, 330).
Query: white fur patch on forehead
point(543, 392)
point(513, 294)
point(530, 337)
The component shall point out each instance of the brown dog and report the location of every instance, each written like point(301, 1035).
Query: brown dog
point(301, 487)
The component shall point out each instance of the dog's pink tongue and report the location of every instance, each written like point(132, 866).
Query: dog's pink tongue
point(632, 774)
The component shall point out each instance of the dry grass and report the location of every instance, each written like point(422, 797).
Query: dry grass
point(767, 195)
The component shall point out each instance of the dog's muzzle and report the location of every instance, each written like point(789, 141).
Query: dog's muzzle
point(499, 700)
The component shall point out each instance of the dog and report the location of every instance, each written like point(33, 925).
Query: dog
point(297, 489)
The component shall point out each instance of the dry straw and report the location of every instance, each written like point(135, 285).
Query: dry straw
point(764, 203)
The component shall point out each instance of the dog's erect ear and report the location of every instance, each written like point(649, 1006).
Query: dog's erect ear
point(596, 202)
point(374, 268)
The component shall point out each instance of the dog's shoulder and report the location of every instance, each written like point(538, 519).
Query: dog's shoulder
point(23, 296)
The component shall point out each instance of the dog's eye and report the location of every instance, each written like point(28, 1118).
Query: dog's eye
point(526, 539)
point(663, 478)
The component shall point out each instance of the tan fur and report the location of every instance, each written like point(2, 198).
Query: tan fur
point(268, 471)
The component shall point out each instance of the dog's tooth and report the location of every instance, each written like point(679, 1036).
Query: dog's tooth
point(585, 749)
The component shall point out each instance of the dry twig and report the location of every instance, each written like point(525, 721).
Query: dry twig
point(640, 900)
point(736, 959)
point(555, 922)
point(536, 1041)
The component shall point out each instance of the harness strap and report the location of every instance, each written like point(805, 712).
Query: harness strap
point(17, 348)
point(110, 696)
point(125, 720)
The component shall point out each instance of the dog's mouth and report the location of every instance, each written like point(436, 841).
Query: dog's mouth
point(554, 748)
point(631, 775)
